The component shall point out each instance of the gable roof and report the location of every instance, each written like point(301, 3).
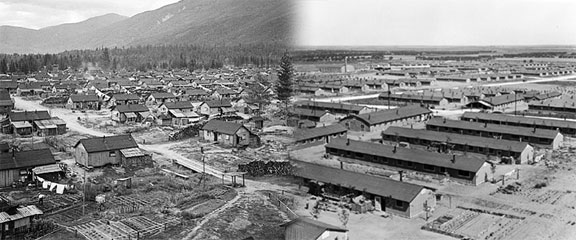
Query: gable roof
point(493, 128)
point(465, 163)
point(372, 184)
point(218, 103)
point(378, 117)
point(312, 229)
point(84, 98)
point(29, 116)
point(130, 108)
point(162, 95)
point(25, 159)
point(124, 97)
point(473, 141)
point(21, 212)
point(303, 134)
point(503, 118)
point(179, 105)
point(219, 126)
point(329, 105)
point(102, 144)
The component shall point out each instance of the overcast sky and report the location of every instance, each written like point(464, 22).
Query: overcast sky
point(43, 13)
point(435, 22)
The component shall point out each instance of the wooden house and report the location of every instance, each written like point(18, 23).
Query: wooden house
point(101, 151)
point(83, 102)
point(16, 166)
point(156, 99)
point(385, 194)
point(18, 220)
point(129, 113)
point(226, 133)
point(308, 229)
point(214, 107)
point(6, 102)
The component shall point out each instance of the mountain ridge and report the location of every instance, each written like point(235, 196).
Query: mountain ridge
point(210, 22)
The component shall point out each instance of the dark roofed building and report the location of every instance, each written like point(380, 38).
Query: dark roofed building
point(29, 116)
point(565, 127)
point(539, 137)
point(159, 98)
point(316, 136)
point(129, 113)
point(83, 102)
point(395, 197)
point(16, 166)
point(100, 151)
point(308, 229)
point(378, 121)
point(334, 108)
point(521, 152)
point(226, 133)
point(214, 107)
point(124, 99)
point(6, 102)
point(497, 103)
point(460, 168)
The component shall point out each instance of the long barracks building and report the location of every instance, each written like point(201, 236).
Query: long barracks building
point(522, 152)
point(464, 169)
point(565, 127)
point(540, 137)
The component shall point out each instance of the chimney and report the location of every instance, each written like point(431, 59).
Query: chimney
point(396, 111)
point(394, 150)
point(534, 130)
point(486, 124)
point(401, 175)
point(347, 141)
point(444, 121)
point(453, 158)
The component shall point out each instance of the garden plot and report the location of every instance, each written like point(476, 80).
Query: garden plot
point(126, 204)
point(56, 202)
point(476, 225)
point(129, 228)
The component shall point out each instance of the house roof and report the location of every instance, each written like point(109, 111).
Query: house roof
point(29, 116)
point(517, 119)
point(493, 128)
point(372, 184)
point(50, 123)
point(4, 95)
point(179, 105)
point(312, 229)
point(218, 103)
point(307, 112)
point(84, 98)
point(163, 95)
point(460, 139)
point(26, 159)
point(303, 134)
point(502, 99)
point(329, 106)
point(8, 84)
point(219, 126)
point(466, 163)
point(4, 147)
point(130, 108)
point(21, 212)
point(124, 97)
point(102, 144)
point(378, 117)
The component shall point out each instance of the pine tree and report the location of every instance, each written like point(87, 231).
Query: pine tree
point(285, 73)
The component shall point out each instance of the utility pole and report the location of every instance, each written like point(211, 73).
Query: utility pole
point(84, 195)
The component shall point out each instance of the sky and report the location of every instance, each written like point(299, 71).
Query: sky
point(37, 14)
point(435, 22)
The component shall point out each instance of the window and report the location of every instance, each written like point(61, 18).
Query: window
point(429, 167)
point(409, 164)
point(463, 173)
point(399, 203)
point(112, 154)
point(359, 155)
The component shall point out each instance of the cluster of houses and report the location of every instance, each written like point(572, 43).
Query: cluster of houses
point(27, 123)
point(464, 150)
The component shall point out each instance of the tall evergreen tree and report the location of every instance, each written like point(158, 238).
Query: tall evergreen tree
point(285, 73)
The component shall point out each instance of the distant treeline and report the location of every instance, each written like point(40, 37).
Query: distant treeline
point(145, 58)
point(337, 55)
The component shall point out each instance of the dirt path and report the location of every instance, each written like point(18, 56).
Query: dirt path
point(192, 234)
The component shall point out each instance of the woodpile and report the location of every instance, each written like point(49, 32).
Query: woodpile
point(261, 168)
